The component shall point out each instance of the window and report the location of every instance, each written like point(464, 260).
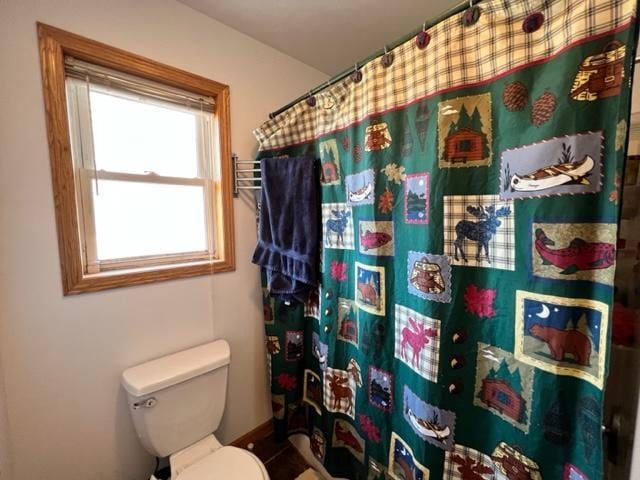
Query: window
point(144, 171)
point(503, 398)
point(464, 145)
point(140, 160)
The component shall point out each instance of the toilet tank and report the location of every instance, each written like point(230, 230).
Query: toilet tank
point(178, 399)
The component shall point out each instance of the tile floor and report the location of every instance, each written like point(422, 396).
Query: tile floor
point(282, 460)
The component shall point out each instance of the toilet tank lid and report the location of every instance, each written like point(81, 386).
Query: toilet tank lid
point(178, 367)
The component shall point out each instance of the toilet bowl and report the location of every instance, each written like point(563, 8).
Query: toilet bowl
point(208, 459)
point(176, 403)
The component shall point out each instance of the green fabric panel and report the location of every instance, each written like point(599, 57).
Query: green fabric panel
point(558, 415)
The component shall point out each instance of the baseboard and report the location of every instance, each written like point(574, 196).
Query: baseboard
point(254, 435)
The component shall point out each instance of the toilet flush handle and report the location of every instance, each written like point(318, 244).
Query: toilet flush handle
point(149, 402)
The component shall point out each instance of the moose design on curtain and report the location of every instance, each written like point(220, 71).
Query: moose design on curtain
point(469, 208)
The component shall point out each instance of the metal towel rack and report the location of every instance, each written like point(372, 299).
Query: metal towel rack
point(245, 178)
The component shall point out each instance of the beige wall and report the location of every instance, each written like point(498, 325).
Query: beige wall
point(635, 97)
point(62, 357)
point(634, 149)
point(5, 454)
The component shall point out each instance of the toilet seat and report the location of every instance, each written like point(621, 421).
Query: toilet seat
point(228, 463)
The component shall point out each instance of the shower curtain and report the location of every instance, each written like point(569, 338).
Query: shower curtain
point(470, 185)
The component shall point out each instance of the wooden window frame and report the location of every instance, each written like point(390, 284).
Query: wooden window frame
point(54, 45)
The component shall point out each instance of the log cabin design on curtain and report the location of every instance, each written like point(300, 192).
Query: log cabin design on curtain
point(461, 327)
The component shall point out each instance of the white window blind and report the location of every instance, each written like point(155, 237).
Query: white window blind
point(146, 169)
point(97, 74)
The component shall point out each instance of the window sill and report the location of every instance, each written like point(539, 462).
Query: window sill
point(95, 282)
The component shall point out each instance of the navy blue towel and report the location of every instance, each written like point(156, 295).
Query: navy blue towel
point(288, 242)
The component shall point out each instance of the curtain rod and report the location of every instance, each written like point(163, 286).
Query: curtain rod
point(342, 75)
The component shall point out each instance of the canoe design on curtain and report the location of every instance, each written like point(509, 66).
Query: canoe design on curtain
point(469, 209)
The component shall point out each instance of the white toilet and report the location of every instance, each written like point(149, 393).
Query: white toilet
point(176, 402)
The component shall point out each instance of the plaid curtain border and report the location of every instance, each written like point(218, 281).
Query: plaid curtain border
point(465, 56)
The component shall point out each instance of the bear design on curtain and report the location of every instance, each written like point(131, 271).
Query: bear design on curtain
point(469, 208)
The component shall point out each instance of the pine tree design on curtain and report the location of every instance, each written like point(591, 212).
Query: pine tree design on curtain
point(468, 252)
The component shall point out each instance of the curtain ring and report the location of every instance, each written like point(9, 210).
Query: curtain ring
point(471, 15)
point(387, 58)
point(328, 100)
point(311, 100)
point(356, 76)
point(423, 38)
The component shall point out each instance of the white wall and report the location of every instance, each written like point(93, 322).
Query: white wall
point(62, 356)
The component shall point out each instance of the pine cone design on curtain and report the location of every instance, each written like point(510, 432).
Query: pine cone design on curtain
point(515, 96)
point(543, 108)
